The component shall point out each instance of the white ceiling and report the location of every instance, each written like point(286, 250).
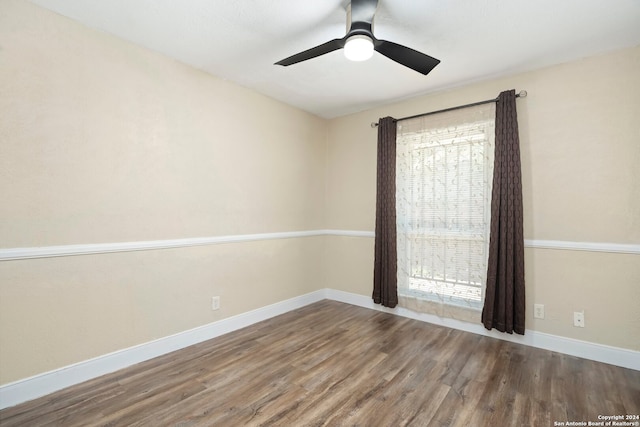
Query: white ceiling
point(239, 40)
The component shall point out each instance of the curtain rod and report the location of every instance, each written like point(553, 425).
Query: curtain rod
point(521, 94)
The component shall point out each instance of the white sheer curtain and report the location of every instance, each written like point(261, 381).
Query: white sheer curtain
point(444, 170)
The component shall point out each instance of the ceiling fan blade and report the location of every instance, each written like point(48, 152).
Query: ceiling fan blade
point(406, 56)
point(322, 49)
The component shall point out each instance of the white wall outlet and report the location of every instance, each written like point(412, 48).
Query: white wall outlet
point(215, 303)
point(578, 319)
point(538, 311)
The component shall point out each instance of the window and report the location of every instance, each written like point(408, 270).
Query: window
point(444, 171)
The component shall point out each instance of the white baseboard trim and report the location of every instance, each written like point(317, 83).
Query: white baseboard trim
point(601, 353)
point(40, 385)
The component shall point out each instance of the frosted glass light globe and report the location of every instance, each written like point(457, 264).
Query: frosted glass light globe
point(358, 48)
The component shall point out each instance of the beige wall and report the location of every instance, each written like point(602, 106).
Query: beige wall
point(580, 141)
point(102, 141)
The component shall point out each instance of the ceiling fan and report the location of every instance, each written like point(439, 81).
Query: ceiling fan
point(359, 42)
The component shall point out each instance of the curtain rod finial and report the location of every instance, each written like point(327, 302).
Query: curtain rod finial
point(374, 124)
point(522, 94)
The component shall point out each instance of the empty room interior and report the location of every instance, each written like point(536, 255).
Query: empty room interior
point(192, 221)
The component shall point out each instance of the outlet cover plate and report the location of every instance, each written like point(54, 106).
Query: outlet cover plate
point(538, 311)
point(578, 319)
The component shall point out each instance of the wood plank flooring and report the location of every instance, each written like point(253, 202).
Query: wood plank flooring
point(335, 364)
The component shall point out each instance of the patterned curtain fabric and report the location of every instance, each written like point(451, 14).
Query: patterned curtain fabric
point(385, 289)
point(504, 304)
point(443, 196)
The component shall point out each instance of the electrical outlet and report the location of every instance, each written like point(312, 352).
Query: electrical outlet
point(578, 319)
point(215, 303)
point(538, 311)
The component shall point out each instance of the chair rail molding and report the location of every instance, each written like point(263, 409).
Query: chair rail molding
point(10, 254)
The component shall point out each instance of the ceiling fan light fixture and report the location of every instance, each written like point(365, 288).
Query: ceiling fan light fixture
point(359, 42)
point(358, 48)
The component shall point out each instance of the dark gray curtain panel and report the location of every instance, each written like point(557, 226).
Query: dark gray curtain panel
point(385, 282)
point(504, 304)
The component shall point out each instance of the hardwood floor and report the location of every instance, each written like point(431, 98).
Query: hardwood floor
point(335, 364)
